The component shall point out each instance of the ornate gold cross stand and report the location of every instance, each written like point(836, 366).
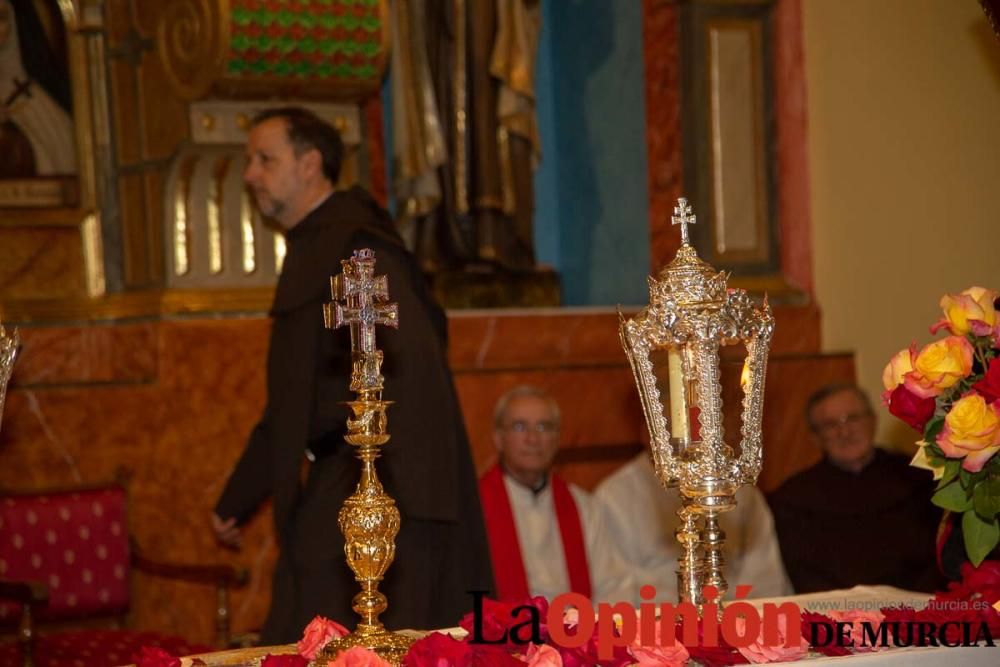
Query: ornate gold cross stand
point(369, 519)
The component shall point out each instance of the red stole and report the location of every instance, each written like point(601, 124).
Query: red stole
point(505, 549)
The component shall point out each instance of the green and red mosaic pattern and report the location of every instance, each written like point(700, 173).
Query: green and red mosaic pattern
point(306, 39)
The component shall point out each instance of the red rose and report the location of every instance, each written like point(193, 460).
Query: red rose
point(498, 617)
point(809, 619)
point(711, 656)
point(288, 660)
point(437, 650)
point(909, 407)
point(484, 655)
point(989, 386)
point(152, 656)
point(587, 656)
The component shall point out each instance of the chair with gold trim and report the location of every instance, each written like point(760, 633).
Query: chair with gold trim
point(66, 561)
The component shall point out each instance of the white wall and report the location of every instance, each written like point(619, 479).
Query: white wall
point(904, 134)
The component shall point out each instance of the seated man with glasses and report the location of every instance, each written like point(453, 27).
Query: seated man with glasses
point(862, 515)
point(546, 536)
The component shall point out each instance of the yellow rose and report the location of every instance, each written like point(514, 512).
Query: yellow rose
point(898, 366)
point(939, 365)
point(970, 311)
point(971, 430)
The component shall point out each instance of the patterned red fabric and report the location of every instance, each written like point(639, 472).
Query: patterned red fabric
point(76, 543)
point(95, 648)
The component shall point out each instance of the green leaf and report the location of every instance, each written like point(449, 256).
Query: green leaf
point(965, 477)
point(932, 429)
point(986, 498)
point(953, 497)
point(981, 537)
point(951, 468)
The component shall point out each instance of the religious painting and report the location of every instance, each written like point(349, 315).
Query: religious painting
point(37, 137)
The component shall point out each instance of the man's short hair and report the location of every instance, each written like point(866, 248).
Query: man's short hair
point(828, 390)
point(306, 131)
point(523, 391)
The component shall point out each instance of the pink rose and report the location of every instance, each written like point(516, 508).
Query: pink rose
point(758, 652)
point(858, 618)
point(543, 656)
point(359, 656)
point(658, 655)
point(152, 656)
point(320, 632)
point(287, 660)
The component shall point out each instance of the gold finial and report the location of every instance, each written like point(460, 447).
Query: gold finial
point(683, 216)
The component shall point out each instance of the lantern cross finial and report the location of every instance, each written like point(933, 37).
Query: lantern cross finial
point(683, 216)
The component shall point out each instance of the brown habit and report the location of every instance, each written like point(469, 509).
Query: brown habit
point(441, 549)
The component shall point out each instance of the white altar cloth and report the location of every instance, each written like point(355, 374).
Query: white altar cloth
point(873, 598)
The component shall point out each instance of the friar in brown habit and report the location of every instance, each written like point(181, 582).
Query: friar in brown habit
point(293, 160)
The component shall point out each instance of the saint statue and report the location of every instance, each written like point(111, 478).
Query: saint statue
point(465, 138)
point(36, 130)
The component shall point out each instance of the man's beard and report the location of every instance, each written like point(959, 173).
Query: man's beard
point(270, 208)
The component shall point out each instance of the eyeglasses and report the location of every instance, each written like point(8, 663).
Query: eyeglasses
point(541, 428)
point(831, 426)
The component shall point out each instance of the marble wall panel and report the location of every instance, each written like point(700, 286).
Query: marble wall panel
point(40, 262)
point(173, 401)
point(115, 353)
point(664, 138)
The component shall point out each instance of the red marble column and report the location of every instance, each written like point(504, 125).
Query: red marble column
point(664, 138)
point(664, 135)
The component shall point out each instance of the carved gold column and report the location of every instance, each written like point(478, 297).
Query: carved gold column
point(369, 519)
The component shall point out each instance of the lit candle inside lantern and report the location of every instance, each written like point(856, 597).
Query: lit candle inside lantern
point(679, 425)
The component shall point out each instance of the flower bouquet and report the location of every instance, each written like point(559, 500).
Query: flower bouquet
point(949, 391)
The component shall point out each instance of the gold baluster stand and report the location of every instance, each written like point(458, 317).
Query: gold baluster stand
point(369, 519)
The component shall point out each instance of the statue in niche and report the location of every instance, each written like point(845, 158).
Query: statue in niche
point(36, 129)
point(465, 138)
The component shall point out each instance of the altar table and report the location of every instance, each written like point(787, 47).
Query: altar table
point(859, 597)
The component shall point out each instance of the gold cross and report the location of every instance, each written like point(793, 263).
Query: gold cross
point(365, 298)
point(683, 216)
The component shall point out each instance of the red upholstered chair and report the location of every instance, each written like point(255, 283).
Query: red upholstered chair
point(65, 556)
